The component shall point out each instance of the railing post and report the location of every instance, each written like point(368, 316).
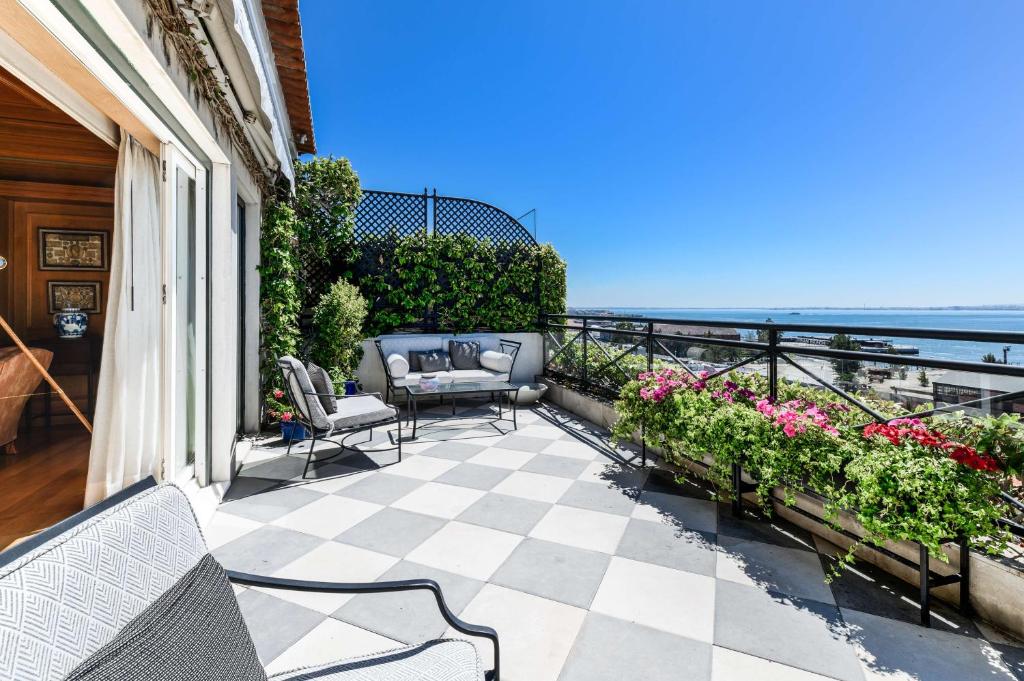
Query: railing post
point(650, 346)
point(773, 364)
point(586, 382)
point(925, 595)
point(965, 577)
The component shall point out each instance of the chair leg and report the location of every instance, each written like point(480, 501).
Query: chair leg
point(399, 440)
point(309, 457)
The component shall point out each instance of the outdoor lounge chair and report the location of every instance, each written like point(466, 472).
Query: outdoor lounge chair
point(127, 590)
point(353, 413)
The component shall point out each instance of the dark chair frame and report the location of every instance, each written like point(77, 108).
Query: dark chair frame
point(327, 435)
point(509, 347)
point(246, 579)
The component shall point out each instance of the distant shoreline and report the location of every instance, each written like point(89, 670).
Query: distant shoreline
point(964, 308)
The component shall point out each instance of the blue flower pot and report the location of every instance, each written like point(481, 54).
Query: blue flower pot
point(292, 430)
point(71, 322)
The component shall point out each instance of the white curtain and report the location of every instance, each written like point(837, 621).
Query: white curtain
point(126, 426)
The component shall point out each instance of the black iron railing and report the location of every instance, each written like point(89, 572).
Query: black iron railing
point(598, 358)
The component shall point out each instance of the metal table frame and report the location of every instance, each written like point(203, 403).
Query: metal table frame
point(453, 390)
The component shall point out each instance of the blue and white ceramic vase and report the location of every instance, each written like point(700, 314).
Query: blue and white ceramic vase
point(71, 322)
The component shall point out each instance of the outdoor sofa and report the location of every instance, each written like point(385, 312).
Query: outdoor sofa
point(496, 361)
point(128, 590)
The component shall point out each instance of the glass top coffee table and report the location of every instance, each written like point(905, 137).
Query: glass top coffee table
point(502, 389)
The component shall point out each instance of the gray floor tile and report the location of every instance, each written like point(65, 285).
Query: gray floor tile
point(265, 550)
point(904, 650)
point(243, 486)
point(774, 568)
point(774, 531)
point(271, 505)
point(801, 633)
point(669, 547)
point(667, 482)
point(475, 476)
point(522, 443)
point(677, 511)
point(275, 624)
point(610, 649)
point(599, 498)
point(456, 451)
point(412, 616)
point(281, 468)
point(555, 571)
point(392, 531)
point(381, 489)
point(1012, 657)
point(560, 466)
point(502, 512)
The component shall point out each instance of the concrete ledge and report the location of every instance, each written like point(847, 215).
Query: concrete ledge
point(997, 582)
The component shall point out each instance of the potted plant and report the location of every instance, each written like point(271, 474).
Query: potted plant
point(291, 429)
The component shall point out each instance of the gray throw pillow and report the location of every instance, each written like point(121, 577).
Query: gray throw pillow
point(434, 360)
point(414, 360)
point(322, 384)
point(464, 354)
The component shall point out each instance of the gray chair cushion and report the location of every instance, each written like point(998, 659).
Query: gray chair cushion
point(64, 600)
point(193, 632)
point(323, 384)
point(464, 354)
point(442, 660)
point(299, 384)
point(431, 360)
point(360, 410)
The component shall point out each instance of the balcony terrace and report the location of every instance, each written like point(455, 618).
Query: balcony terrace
point(589, 565)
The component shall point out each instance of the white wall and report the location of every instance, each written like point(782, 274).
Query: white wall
point(528, 363)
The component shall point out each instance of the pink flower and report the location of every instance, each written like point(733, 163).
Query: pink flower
point(286, 416)
point(789, 429)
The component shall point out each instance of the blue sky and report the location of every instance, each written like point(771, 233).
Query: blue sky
point(703, 154)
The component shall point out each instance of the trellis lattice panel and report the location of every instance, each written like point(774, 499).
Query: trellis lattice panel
point(390, 214)
point(481, 220)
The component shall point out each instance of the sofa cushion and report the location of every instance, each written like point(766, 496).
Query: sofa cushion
point(359, 411)
point(464, 354)
point(496, 361)
point(193, 632)
point(477, 376)
point(398, 366)
point(107, 570)
point(429, 361)
point(323, 384)
point(441, 660)
point(402, 344)
point(413, 377)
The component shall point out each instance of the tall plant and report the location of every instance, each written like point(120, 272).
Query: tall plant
point(338, 330)
point(279, 291)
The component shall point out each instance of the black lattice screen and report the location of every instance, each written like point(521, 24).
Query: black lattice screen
point(390, 214)
point(478, 219)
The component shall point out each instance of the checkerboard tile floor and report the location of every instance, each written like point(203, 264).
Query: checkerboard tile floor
point(589, 567)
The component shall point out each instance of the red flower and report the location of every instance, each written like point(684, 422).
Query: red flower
point(287, 416)
point(278, 394)
point(971, 458)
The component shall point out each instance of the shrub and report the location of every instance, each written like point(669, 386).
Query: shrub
point(338, 330)
point(279, 292)
point(327, 192)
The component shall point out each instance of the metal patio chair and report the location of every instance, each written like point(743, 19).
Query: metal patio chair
point(354, 413)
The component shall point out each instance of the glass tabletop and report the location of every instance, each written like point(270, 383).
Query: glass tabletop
point(455, 388)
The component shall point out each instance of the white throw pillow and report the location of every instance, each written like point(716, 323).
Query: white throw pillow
point(398, 365)
point(496, 361)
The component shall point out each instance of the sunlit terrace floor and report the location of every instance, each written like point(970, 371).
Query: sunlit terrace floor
point(589, 567)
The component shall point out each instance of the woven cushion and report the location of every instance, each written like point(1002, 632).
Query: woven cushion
point(464, 354)
point(323, 384)
point(496, 361)
point(443, 660)
point(64, 600)
point(431, 360)
point(193, 632)
point(300, 384)
point(359, 411)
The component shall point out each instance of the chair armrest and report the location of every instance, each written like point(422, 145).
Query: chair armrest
point(377, 587)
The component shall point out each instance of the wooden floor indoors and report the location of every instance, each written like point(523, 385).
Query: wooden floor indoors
point(44, 482)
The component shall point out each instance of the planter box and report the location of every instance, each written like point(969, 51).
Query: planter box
point(997, 582)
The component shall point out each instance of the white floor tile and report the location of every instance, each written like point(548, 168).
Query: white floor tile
point(421, 467)
point(329, 641)
point(678, 602)
point(440, 500)
point(225, 527)
point(729, 665)
point(533, 486)
point(545, 431)
point(466, 550)
point(677, 511)
point(573, 450)
point(328, 516)
point(536, 634)
point(331, 562)
point(502, 458)
point(581, 528)
point(333, 484)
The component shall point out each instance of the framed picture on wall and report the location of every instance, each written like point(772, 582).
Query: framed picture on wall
point(74, 249)
point(85, 295)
